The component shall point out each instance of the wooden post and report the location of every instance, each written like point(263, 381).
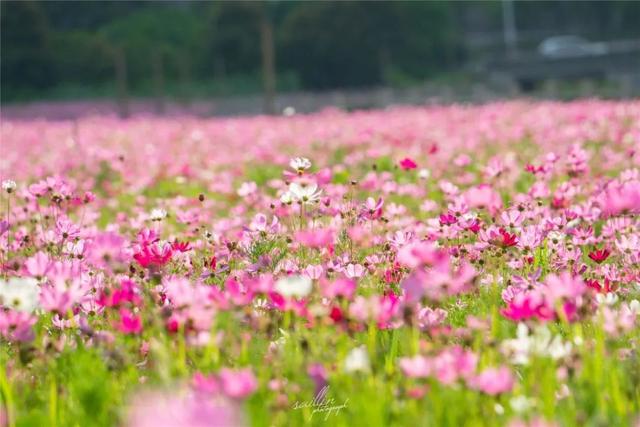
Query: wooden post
point(120, 62)
point(268, 60)
point(158, 80)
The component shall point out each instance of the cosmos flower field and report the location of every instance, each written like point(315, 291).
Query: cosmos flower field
point(435, 266)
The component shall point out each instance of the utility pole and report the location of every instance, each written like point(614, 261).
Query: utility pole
point(122, 90)
point(509, 28)
point(158, 79)
point(267, 47)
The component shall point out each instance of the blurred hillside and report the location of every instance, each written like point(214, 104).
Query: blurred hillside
point(183, 50)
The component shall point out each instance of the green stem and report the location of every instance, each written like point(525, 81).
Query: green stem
point(53, 402)
point(7, 397)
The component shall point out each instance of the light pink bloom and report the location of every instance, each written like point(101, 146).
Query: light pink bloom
point(238, 383)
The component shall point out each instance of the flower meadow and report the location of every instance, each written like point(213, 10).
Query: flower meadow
point(423, 266)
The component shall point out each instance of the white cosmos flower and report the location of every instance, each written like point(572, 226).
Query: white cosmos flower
point(357, 360)
point(294, 286)
point(20, 293)
point(286, 198)
point(608, 299)
point(305, 194)
point(158, 214)
point(9, 186)
point(247, 189)
point(541, 343)
point(521, 404)
point(300, 163)
point(289, 111)
point(424, 173)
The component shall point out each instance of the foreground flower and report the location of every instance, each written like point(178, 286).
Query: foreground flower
point(294, 286)
point(300, 164)
point(238, 383)
point(179, 409)
point(157, 214)
point(17, 325)
point(304, 193)
point(19, 293)
point(408, 164)
point(9, 186)
point(357, 360)
point(493, 381)
point(129, 323)
point(599, 255)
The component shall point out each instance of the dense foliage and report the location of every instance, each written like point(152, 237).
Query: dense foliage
point(70, 49)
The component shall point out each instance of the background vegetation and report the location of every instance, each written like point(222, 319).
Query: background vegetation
point(61, 49)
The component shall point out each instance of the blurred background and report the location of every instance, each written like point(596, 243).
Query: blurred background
point(214, 58)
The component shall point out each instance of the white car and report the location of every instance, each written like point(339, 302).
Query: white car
point(570, 47)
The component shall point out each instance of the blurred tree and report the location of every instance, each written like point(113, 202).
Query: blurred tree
point(73, 48)
point(231, 39)
point(26, 64)
point(345, 44)
point(206, 48)
point(166, 30)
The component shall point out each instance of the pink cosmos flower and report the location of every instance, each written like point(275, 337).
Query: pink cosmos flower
point(179, 409)
point(318, 374)
point(564, 285)
point(315, 238)
point(529, 305)
point(416, 254)
point(416, 366)
point(483, 196)
point(619, 198)
point(147, 237)
point(454, 363)
point(127, 292)
point(408, 164)
point(154, 255)
point(17, 325)
point(38, 265)
point(429, 317)
point(239, 383)
point(354, 271)
point(493, 381)
point(260, 223)
point(313, 271)
point(207, 384)
point(372, 209)
point(339, 287)
point(129, 323)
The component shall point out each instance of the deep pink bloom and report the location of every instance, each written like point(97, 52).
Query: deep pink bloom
point(448, 219)
point(508, 240)
point(528, 306)
point(408, 164)
point(129, 323)
point(154, 255)
point(127, 292)
point(181, 246)
point(599, 255)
